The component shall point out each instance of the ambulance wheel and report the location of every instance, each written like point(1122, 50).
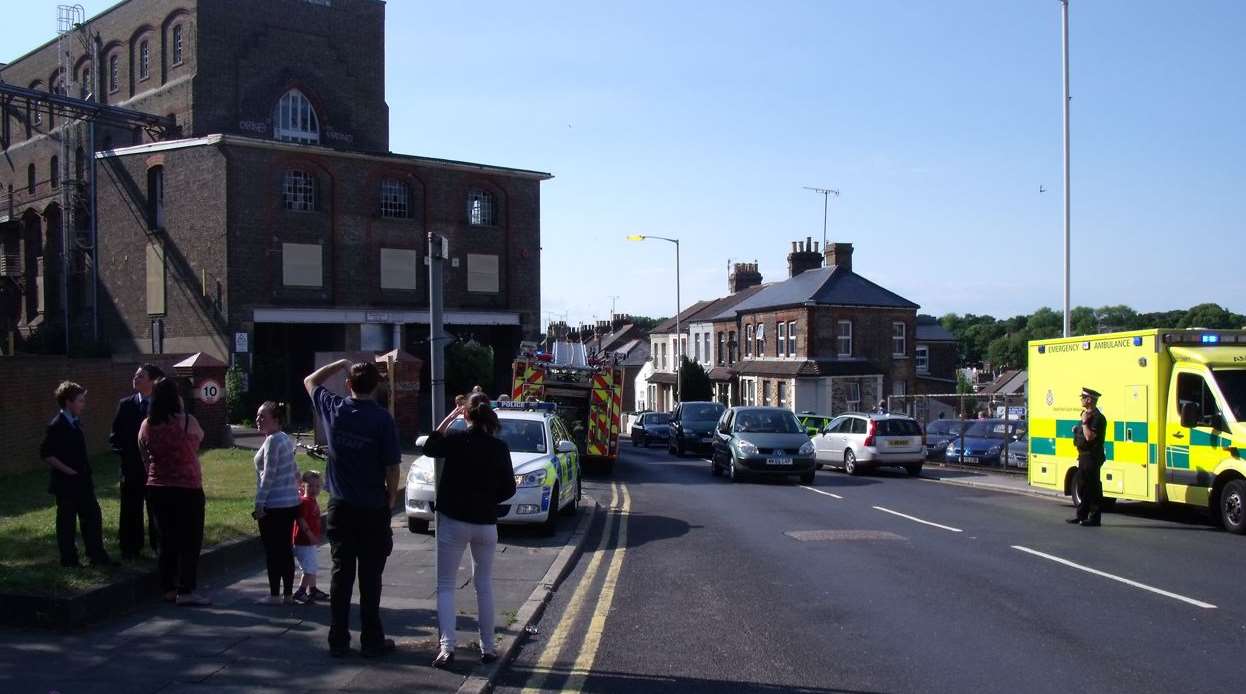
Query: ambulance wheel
point(550, 526)
point(417, 526)
point(1233, 507)
point(1074, 495)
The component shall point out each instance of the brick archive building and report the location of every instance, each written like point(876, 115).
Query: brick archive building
point(271, 222)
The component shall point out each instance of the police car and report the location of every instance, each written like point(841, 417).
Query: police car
point(545, 460)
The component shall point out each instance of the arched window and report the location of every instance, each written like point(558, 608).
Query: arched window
point(144, 60)
point(177, 44)
point(294, 119)
point(55, 171)
point(30, 179)
point(87, 82)
point(114, 73)
point(395, 199)
point(480, 208)
point(299, 191)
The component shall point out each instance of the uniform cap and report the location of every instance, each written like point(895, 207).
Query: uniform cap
point(1091, 392)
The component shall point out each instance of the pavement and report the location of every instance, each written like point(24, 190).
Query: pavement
point(238, 644)
point(883, 583)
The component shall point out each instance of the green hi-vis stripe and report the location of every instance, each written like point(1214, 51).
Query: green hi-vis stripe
point(1043, 446)
point(1153, 454)
point(1178, 457)
point(1202, 438)
point(1064, 427)
point(1130, 431)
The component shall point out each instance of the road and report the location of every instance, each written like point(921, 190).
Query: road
point(882, 583)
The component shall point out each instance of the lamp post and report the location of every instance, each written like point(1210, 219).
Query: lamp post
point(678, 329)
point(1064, 25)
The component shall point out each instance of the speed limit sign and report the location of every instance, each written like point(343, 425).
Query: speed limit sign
point(209, 392)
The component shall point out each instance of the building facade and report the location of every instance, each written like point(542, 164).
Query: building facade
point(272, 222)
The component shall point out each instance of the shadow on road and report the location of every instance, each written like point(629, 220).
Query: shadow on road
point(612, 681)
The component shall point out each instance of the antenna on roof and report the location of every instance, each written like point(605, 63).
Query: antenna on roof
point(826, 195)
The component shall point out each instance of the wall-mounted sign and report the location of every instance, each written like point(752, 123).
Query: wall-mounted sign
point(242, 343)
point(209, 392)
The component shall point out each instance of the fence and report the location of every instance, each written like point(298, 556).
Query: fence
point(1003, 443)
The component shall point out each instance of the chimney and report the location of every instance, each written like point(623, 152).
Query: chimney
point(839, 254)
point(743, 276)
point(804, 256)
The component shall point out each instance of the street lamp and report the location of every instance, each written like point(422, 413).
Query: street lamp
point(679, 386)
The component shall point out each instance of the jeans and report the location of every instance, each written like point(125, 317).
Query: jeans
point(276, 533)
point(179, 514)
point(453, 536)
point(360, 540)
point(74, 507)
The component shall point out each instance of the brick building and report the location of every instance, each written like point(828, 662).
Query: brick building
point(272, 221)
point(825, 339)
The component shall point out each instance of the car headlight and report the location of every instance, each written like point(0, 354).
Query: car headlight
point(745, 448)
point(422, 474)
point(806, 448)
point(532, 479)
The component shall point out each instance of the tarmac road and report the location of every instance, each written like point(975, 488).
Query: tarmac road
point(882, 583)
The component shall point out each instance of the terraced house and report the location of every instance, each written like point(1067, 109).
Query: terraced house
point(252, 210)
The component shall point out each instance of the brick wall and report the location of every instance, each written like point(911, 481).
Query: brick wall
point(771, 320)
point(29, 405)
point(871, 339)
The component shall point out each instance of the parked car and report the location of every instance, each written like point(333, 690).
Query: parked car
point(861, 440)
point(692, 427)
point(545, 460)
point(762, 441)
point(1019, 453)
point(813, 423)
point(650, 427)
point(939, 434)
point(984, 440)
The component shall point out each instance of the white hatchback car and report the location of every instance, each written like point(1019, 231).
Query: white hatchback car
point(857, 440)
point(544, 457)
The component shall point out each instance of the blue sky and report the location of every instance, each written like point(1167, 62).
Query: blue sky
point(937, 120)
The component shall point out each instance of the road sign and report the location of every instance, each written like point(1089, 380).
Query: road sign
point(209, 392)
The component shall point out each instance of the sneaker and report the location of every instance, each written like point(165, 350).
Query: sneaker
point(193, 600)
point(301, 597)
point(317, 594)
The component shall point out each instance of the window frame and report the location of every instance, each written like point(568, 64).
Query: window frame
point(921, 359)
point(719, 356)
point(481, 208)
point(841, 337)
point(391, 206)
point(900, 337)
point(300, 191)
point(760, 336)
point(54, 166)
point(289, 115)
point(696, 339)
point(114, 73)
point(144, 60)
point(853, 403)
point(780, 343)
point(791, 339)
point(748, 341)
point(176, 38)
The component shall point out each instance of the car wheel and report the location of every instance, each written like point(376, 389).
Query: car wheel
point(638, 441)
point(1233, 507)
point(806, 477)
point(733, 474)
point(572, 508)
point(914, 470)
point(550, 526)
point(679, 449)
point(417, 526)
point(850, 462)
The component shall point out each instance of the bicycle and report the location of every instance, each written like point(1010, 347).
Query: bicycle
point(317, 451)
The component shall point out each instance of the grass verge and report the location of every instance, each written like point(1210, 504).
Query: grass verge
point(29, 563)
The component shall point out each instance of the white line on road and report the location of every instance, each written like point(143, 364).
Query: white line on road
point(918, 520)
point(1126, 581)
point(819, 491)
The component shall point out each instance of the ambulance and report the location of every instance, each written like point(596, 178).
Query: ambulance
point(588, 393)
point(1175, 403)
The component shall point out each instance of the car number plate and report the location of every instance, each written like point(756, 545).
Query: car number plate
point(971, 459)
point(778, 461)
point(898, 442)
point(707, 439)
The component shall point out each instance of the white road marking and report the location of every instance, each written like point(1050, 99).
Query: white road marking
point(1126, 581)
point(918, 520)
point(819, 491)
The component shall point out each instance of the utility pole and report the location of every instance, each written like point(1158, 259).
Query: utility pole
point(438, 250)
point(1064, 13)
point(826, 195)
point(613, 300)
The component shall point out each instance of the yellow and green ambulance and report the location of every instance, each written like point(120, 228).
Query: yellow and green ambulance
point(1175, 403)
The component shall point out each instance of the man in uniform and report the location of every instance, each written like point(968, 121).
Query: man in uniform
point(1088, 437)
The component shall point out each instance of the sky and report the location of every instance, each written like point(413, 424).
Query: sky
point(939, 121)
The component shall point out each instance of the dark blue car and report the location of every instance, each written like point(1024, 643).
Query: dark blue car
point(985, 440)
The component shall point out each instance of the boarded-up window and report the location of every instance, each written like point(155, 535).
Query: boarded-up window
point(397, 268)
point(155, 280)
point(482, 273)
point(301, 265)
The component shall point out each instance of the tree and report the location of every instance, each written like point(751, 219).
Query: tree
point(468, 364)
point(694, 381)
point(1209, 316)
point(645, 323)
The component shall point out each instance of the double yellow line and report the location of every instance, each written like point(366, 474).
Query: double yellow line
point(620, 507)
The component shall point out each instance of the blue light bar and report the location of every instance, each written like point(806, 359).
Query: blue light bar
point(1137, 342)
point(526, 406)
point(1211, 339)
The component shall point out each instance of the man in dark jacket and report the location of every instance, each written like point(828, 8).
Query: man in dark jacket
point(64, 449)
point(131, 411)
